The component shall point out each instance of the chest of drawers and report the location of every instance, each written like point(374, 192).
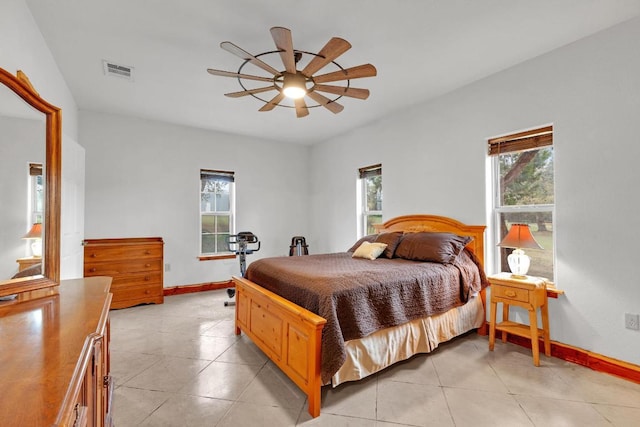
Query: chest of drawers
point(135, 264)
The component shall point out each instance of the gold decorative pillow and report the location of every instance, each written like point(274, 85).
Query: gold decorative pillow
point(369, 250)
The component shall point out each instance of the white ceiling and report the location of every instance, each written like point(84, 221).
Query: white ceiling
point(421, 49)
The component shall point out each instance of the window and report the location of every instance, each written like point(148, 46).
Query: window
point(216, 211)
point(371, 198)
point(36, 195)
point(523, 193)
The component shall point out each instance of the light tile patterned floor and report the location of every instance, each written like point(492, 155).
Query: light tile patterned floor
point(180, 364)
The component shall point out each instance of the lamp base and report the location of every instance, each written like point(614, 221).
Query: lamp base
point(518, 263)
point(36, 247)
point(519, 276)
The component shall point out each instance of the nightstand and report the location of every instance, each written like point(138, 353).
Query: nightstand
point(24, 263)
point(529, 293)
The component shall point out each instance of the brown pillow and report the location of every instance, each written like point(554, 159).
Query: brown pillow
point(370, 238)
point(33, 270)
point(435, 247)
point(391, 240)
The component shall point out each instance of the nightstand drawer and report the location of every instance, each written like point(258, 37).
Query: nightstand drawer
point(515, 294)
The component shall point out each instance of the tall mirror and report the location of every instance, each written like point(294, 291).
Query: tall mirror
point(25, 117)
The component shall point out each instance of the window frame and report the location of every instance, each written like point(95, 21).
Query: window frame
point(226, 176)
point(530, 140)
point(365, 212)
point(36, 193)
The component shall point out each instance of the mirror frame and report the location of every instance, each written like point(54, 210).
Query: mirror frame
point(50, 276)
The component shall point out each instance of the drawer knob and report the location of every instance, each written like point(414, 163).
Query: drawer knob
point(510, 293)
point(147, 278)
point(147, 265)
point(93, 270)
point(93, 255)
point(147, 252)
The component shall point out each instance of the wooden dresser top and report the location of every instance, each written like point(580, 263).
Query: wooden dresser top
point(41, 343)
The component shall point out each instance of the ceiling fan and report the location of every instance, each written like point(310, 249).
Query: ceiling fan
point(297, 84)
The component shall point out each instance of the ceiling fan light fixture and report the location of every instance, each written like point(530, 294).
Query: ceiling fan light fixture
point(294, 86)
point(294, 92)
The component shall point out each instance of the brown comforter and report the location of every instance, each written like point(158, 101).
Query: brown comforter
point(359, 296)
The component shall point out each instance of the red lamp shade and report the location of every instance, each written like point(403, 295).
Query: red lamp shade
point(35, 232)
point(519, 236)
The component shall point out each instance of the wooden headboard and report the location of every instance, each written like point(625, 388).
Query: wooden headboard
point(434, 223)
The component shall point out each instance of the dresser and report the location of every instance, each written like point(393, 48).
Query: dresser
point(54, 357)
point(135, 264)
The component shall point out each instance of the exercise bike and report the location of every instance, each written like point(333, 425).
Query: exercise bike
point(239, 245)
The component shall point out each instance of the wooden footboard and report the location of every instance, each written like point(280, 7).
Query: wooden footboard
point(288, 334)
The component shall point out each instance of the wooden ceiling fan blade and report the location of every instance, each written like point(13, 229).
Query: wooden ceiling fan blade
point(330, 105)
point(333, 49)
point(250, 91)
point(232, 48)
point(273, 103)
point(284, 42)
point(238, 75)
point(352, 92)
point(366, 70)
point(301, 108)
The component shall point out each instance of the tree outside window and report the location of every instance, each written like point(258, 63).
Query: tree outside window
point(523, 190)
point(371, 203)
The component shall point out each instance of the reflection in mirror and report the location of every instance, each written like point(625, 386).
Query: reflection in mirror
point(22, 144)
point(28, 137)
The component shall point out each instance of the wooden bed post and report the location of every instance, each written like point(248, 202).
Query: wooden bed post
point(314, 393)
point(482, 330)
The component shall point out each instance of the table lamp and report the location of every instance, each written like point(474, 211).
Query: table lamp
point(35, 234)
point(518, 237)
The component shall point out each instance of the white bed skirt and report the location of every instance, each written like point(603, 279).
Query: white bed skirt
point(383, 348)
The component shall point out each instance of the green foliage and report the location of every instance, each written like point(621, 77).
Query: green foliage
point(525, 180)
point(374, 193)
point(371, 221)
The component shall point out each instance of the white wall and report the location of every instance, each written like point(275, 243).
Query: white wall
point(143, 177)
point(22, 47)
point(433, 161)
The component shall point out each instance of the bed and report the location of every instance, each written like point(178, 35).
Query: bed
point(331, 318)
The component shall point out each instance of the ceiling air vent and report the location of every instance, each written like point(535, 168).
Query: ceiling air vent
point(122, 71)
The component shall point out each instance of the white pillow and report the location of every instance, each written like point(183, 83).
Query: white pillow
point(369, 250)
